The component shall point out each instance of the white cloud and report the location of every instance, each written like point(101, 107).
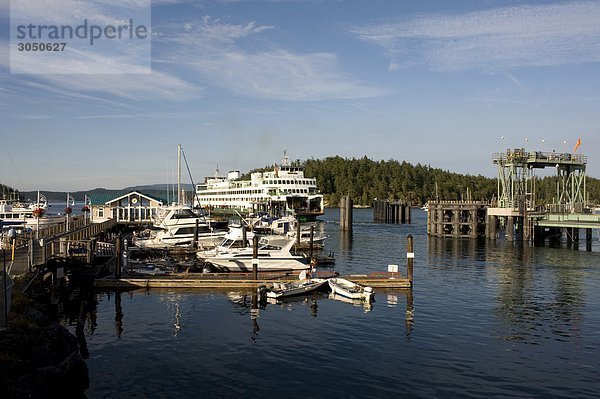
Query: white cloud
point(156, 84)
point(497, 39)
point(212, 49)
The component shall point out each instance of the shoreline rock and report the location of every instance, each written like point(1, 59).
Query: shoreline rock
point(39, 357)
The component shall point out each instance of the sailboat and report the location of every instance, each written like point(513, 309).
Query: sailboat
point(178, 225)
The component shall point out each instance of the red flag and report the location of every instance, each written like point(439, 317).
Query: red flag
point(577, 145)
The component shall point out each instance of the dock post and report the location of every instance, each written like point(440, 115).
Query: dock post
point(196, 231)
point(31, 247)
point(588, 240)
point(346, 213)
point(118, 257)
point(244, 237)
point(408, 211)
point(255, 257)
point(89, 253)
point(410, 256)
point(310, 250)
point(510, 228)
point(298, 232)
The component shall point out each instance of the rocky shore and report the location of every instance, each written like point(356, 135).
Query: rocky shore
point(39, 357)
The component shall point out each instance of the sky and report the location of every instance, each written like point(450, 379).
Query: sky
point(440, 83)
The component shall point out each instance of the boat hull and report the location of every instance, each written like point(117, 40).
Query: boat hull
point(233, 264)
point(300, 287)
point(348, 289)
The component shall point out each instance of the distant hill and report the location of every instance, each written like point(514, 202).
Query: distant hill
point(157, 190)
point(365, 179)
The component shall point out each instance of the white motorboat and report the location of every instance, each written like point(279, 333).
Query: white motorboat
point(300, 287)
point(349, 289)
point(233, 254)
point(175, 225)
point(287, 226)
point(27, 215)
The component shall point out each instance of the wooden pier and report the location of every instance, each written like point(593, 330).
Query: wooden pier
point(386, 211)
point(35, 248)
point(458, 219)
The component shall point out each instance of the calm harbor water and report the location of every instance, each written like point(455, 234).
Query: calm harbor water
point(484, 320)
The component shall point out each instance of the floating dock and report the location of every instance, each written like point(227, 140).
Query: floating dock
point(242, 280)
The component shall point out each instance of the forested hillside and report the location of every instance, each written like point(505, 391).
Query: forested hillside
point(364, 180)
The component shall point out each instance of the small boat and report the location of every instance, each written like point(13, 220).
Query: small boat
point(299, 287)
point(349, 289)
point(234, 255)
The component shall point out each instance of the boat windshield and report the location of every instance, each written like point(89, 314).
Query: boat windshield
point(229, 243)
point(184, 213)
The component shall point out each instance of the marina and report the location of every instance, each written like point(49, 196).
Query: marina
point(376, 200)
point(260, 284)
point(527, 309)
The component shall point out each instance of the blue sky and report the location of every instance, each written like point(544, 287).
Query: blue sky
point(444, 83)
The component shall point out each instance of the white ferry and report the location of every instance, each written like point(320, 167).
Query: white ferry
point(281, 191)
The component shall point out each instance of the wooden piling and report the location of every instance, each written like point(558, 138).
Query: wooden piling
point(196, 232)
point(244, 237)
point(255, 257)
point(346, 213)
point(298, 232)
point(410, 256)
point(510, 228)
point(118, 257)
point(310, 249)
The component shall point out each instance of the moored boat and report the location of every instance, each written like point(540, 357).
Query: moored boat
point(178, 225)
point(27, 215)
point(300, 287)
point(349, 289)
point(273, 253)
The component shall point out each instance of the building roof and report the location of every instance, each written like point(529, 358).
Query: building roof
point(104, 197)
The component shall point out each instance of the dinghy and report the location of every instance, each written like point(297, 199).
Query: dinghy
point(299, 287)
point(348, 289)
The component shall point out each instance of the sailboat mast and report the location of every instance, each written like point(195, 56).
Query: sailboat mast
point(178, 174)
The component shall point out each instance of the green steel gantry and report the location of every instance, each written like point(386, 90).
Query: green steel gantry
point(516, 180)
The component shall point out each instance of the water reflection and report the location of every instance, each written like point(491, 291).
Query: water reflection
point(410, 314)
point(539, 291)
point(254, 315)
point(345, 241)
point(118, 315)
point(366, 305)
